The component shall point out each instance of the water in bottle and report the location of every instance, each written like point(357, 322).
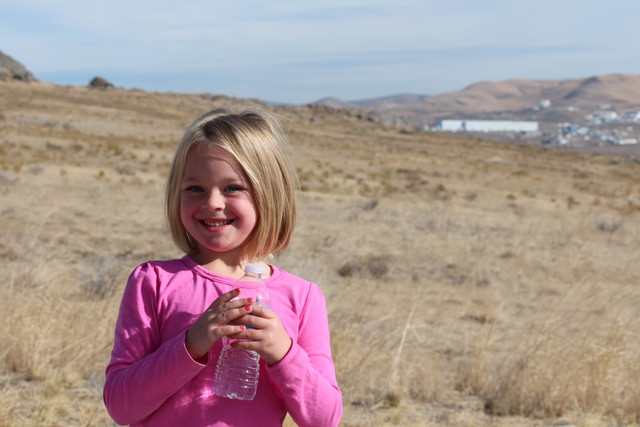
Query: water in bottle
point(237, 371)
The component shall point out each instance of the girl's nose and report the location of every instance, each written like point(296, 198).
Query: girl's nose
point(215, 200)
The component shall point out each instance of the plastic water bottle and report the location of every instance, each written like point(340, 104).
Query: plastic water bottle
point(237, 371)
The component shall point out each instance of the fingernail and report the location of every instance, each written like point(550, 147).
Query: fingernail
point(250, 300)
point(247, 307)
point(243, 327)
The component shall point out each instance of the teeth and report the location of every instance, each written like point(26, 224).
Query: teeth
point(216, 224)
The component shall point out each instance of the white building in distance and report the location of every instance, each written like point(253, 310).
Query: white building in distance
point(486, 126)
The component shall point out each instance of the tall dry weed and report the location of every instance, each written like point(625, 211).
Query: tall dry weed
point(50, 374)
point(578, 357)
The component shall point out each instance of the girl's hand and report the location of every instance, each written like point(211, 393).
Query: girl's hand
point(213, 323)
point(268, 339)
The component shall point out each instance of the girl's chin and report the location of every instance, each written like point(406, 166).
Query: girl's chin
point(219, 252)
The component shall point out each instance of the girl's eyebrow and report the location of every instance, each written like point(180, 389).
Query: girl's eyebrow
point(224, 180)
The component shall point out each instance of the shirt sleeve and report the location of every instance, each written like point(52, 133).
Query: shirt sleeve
point(143, 373)
point(306, 375)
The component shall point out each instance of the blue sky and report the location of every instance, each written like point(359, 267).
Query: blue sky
point(300, 51)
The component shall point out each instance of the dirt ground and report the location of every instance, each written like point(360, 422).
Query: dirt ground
point(468, 282)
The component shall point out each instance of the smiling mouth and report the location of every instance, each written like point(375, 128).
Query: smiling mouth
point(216, 223)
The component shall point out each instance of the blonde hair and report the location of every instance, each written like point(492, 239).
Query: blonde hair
point(257, 141)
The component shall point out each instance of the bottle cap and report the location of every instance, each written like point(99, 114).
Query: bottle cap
point(254, 268)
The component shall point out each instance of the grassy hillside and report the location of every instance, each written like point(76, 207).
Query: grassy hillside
point(468, 282)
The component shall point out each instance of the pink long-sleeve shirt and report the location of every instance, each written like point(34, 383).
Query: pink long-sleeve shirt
point(153, 381)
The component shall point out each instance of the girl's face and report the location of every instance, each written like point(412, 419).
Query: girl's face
point(216, 203)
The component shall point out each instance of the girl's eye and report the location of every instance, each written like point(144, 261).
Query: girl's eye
point(233, 189)
point(195, 189)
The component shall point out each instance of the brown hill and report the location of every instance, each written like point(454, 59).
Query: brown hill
point(400, 99)
point(10, 69)
point(621, 91)
point(334, 102)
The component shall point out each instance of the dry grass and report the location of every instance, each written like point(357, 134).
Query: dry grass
point(468, 283)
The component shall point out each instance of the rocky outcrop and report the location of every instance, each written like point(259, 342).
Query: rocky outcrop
point(100, 83)
point(10, 69)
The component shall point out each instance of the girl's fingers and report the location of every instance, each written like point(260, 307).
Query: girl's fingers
point(228, 301)
point(255, 317)
point(258, 310)
point(230, 331)
point(251, 322)
point(271, 344)
point(225, 298)
point(219, 320)
point(245, 345)
point(233, 315)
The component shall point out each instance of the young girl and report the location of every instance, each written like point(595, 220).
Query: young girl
point(229, 201)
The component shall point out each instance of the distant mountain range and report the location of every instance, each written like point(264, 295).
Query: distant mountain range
point(374, 102)
point(551, 101)
point(506, 99)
